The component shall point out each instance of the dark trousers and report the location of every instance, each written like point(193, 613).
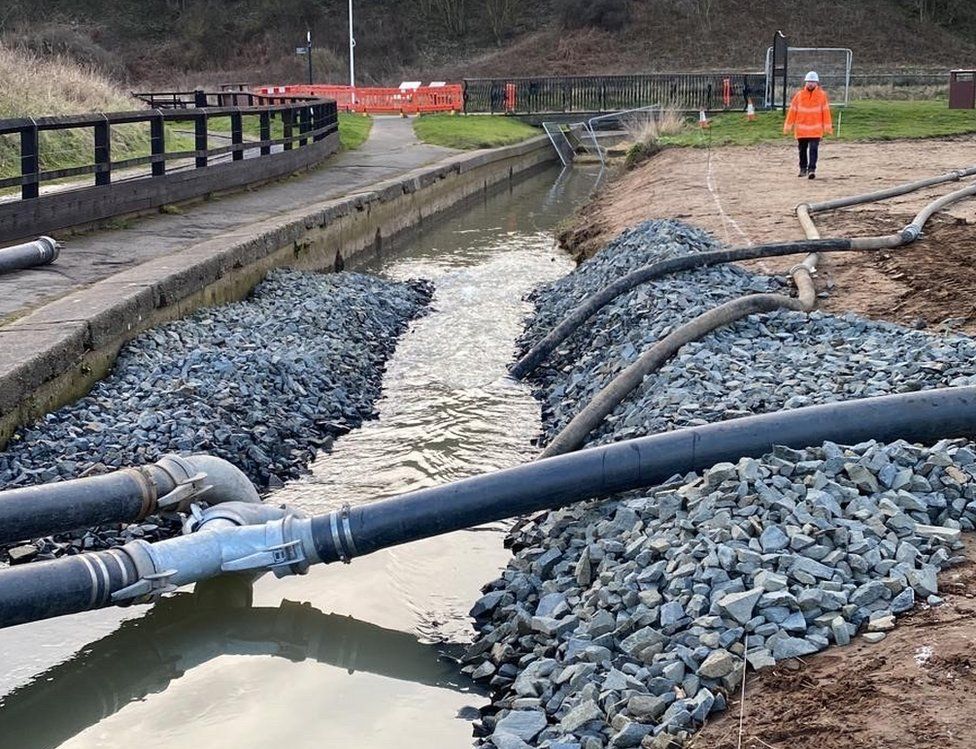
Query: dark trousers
point(809, 153)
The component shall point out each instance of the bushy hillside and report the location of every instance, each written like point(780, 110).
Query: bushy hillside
point(187, 42)
point(31, 85)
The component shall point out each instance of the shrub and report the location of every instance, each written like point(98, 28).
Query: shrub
point(609, 15)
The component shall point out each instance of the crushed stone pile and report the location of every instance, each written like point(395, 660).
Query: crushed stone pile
point(264, 383)
point(627, 622)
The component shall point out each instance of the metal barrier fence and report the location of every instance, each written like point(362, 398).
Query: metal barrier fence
point(314, 119)
point(689, 91)
point(372, 100)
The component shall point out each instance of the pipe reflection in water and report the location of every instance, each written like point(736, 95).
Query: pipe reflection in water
point(186, 631)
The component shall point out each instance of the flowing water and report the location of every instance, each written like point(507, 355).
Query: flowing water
point(356, 655)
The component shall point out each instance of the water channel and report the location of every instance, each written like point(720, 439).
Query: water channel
point(356, 655)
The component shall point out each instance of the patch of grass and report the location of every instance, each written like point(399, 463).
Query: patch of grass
point(640, 152)
point(471, 131)
point(353, 130)
point(36, 86)
point(862, 120)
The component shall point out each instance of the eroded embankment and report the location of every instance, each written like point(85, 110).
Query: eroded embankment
point(264, 383)
point(631, 620)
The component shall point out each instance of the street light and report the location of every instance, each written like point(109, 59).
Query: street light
point(352, 52)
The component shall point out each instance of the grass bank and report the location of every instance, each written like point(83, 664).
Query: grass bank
point(862, 120)
point(35, 86)
point(471, 131)
point(353, 130)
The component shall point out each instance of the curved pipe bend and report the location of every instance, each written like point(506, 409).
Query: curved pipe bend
point(125, 496)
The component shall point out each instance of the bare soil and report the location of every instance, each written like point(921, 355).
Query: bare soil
point(748, 195)
point(916, 689)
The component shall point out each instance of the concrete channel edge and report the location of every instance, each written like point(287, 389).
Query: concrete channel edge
point(55, 354)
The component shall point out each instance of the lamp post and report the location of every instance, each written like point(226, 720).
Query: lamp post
point(352, 53)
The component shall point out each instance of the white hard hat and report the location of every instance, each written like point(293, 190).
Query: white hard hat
point(812, 77)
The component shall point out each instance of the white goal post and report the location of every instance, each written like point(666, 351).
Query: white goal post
point(833, 65)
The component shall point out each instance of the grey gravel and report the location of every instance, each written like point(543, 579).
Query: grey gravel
point(785, 555)
point(264, 383)
point(762, 364)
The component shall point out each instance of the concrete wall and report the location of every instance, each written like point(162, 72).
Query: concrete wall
point(54, 355)
point(22, 219)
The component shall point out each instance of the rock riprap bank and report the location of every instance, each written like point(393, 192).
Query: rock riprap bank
point(263, 383)
point(762, 364)
point(627, 622)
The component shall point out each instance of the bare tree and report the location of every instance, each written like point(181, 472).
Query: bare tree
point(453, 14)
point(500, 15)
point(704, 10)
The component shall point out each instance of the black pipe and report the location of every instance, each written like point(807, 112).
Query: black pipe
point(84, 582)
point(593, 304)
point(637, 463)
point(41, 251)
point(35, 511)
point(63, 586)
point(125, 496)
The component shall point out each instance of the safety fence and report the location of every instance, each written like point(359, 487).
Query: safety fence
point(689, 91)
point(371, 100)
point(286, 133)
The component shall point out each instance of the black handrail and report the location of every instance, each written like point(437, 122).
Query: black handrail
point(316, 119)
point(608, 93)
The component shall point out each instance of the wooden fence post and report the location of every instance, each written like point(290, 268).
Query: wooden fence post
point(103, 153)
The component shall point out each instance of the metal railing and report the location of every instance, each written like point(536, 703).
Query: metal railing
point(305, 120)
point(552, 94)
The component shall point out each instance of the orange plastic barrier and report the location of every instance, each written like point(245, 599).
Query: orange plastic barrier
point(368, 100)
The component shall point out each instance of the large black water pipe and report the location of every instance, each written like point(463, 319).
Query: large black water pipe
point(639, 463)
point(289, 545)
point(125, 496)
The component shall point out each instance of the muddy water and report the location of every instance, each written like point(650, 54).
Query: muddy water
point(356, 655)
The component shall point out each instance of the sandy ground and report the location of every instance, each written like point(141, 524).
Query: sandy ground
point(916, 689)
point(747, 195)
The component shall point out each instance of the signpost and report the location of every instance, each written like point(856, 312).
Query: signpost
point(307, 51)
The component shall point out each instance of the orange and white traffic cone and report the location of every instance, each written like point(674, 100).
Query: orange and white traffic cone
point(703, 119)
point(750, 112)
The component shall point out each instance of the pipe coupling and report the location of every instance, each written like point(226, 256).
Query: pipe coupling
point(188, 483)
point(235, 514)
point(283, 546)
point(910, 233)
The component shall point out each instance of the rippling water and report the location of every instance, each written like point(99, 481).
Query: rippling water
point(347, 655)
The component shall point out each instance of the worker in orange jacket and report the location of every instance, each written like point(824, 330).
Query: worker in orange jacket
point(809, 119)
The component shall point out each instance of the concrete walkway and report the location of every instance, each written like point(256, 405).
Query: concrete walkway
point(391, 149)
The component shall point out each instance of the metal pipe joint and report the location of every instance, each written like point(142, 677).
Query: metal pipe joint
point(232, 537)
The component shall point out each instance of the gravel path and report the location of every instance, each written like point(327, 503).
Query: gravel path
point(627, 622)
point(263, 383)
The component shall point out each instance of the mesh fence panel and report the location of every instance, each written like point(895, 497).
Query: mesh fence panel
point(832, 65)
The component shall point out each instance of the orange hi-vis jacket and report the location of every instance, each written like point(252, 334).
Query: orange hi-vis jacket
point(809, 115)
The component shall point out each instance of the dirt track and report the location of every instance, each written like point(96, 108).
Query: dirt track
point(748, 195)
point(916, 689)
